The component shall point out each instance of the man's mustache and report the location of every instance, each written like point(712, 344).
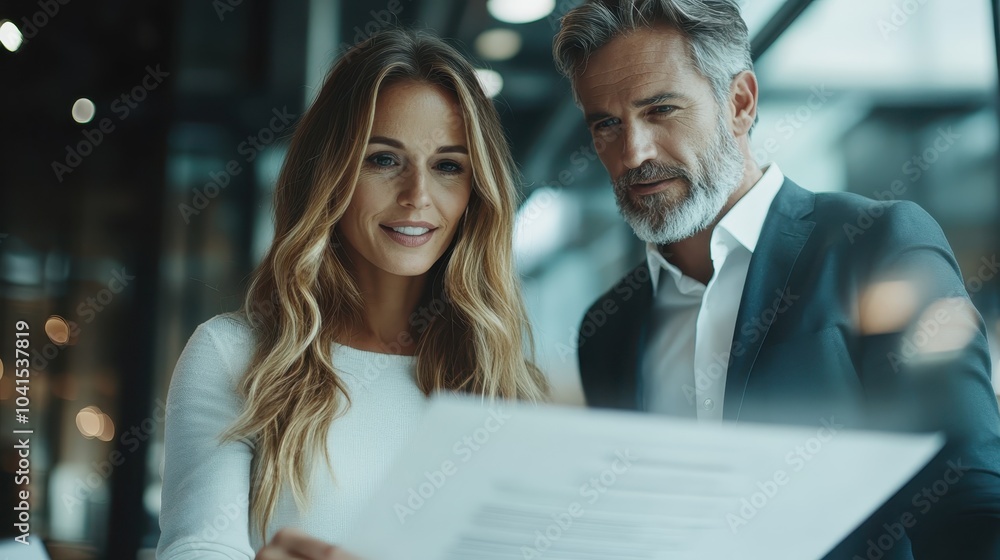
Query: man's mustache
point(651, 172)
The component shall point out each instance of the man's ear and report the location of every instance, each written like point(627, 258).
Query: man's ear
point(743, 102)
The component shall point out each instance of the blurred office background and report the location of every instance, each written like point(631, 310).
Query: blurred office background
point(118, 118)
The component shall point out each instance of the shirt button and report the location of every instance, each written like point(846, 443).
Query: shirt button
point(709, 404)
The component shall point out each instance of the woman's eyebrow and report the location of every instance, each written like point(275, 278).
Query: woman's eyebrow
point(386, 140)
point(457, 148)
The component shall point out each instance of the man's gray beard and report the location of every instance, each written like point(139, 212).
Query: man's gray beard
point(661, 219)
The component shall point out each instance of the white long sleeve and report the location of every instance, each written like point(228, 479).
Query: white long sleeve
point(205, 496)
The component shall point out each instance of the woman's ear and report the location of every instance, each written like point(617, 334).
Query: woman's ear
point(743, 101)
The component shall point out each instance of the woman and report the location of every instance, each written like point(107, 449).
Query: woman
point(390, 277)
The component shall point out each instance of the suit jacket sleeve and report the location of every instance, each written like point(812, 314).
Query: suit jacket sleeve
point(932, 375)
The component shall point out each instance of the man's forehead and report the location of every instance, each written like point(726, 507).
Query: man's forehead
point(631, 81)
point(658, 43)
point(634, 62)
point(623, 52)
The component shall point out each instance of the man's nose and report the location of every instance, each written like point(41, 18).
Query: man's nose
point(638, 145)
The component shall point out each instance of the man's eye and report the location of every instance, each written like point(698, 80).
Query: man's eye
point(606, 123)
point(662, 109)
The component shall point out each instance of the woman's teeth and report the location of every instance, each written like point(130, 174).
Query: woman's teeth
point(411, 230)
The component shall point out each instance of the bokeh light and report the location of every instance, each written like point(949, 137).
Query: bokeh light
point(10, 36)
point(107, 428)
point(57, 329)
point(491, 80)
point(887, 307)
point(83, 110)
point(498, 44)
point(520, 11)
point(90, 422)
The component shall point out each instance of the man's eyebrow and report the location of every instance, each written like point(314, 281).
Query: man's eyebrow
point(657, 99)
point(640, 103)
point(591, 118)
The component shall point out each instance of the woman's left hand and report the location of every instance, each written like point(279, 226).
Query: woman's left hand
point(292, 544)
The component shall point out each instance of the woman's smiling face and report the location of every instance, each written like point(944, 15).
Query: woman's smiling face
point(415, 181)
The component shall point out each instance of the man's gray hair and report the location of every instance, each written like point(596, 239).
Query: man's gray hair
point(718, 42)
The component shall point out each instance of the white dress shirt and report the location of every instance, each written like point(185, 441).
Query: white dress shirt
point(691, 333)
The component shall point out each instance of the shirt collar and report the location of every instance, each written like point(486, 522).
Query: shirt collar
point(743, 223)
point(746, 218)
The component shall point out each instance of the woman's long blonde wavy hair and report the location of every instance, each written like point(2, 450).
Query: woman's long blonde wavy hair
point(302, 298)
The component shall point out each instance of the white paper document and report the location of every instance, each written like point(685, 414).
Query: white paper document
point(483, 482)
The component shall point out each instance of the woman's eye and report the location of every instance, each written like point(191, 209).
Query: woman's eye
point(449, 167)
point(382, 160)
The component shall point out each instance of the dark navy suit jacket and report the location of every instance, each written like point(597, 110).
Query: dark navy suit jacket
point(798, 357)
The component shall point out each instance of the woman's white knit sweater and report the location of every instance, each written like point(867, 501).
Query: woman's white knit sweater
point(206, 485)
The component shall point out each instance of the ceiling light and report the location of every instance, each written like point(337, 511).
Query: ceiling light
point(520, 11)
point(491, 80)
point(10, 36)
point(498, 44)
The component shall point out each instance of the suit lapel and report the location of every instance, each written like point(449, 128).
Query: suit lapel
point(611, 347)
point(782, 237)
point(641, 308)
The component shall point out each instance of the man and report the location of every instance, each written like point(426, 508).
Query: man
point(761, 301)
